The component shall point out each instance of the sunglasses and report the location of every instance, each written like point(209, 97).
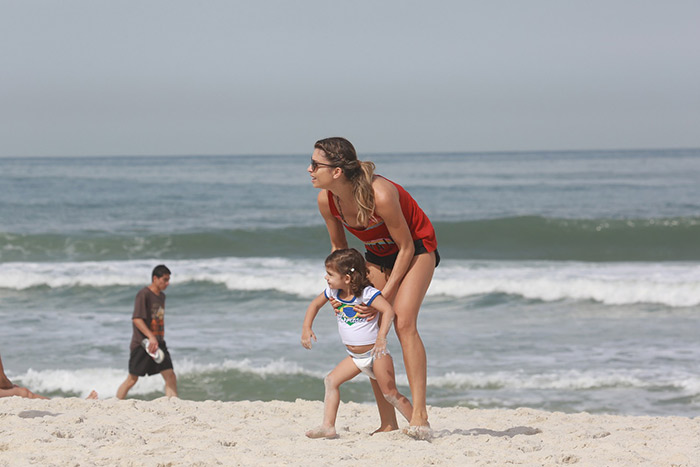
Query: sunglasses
point(315, 165)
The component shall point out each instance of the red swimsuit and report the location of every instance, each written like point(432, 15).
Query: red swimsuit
point(376, 235)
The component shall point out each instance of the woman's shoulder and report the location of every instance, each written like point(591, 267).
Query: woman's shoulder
point(384, 190)
point(324, 204)
point(383, 185)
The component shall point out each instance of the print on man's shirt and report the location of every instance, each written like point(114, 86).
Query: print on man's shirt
point(158, 320)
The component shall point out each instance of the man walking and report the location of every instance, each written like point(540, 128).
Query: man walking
point(148, 323)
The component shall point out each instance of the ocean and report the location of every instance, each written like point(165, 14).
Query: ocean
point(570, 281)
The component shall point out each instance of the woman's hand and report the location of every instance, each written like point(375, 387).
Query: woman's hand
point(366, 311)
point(363, 311)
point(306, 336)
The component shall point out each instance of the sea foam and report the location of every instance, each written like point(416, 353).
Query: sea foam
point(669, 284)
point(106, 380)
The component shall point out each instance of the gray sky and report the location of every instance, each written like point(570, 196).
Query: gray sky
point(95, 77)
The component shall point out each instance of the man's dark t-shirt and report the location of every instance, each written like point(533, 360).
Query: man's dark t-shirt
point(151, 309)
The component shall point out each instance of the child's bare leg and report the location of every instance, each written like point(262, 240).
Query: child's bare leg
point(344, 371)
point(383, 368)
point(92, 395)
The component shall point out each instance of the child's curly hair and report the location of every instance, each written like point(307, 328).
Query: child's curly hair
point(350, 261)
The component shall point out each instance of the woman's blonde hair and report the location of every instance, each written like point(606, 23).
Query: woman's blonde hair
point(350, 261)
point(341, 153)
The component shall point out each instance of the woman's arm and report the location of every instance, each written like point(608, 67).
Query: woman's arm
point(336, 232)
point(388, 207)
point(334, 226)
point(306, 332)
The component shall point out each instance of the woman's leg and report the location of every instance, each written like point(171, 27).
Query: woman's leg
point(407, 302)
point(344, 371)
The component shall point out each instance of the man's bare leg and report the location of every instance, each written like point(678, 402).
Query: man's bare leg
point(126, 386)
point(170, 383)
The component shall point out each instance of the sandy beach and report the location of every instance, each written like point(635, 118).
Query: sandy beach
point(173, 432)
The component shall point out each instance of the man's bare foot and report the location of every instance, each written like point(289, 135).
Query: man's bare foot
point(422, 433)
point(322, 432)
point(92, 395)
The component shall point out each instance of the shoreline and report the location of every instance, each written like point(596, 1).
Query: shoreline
point(176, 432)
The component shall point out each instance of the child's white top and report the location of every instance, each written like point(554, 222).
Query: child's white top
point(353, 329)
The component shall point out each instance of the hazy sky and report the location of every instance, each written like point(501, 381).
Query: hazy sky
point(96, 77)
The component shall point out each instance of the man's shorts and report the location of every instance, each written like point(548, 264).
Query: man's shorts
point(141, 364)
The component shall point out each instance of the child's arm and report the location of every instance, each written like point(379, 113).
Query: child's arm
point(306, 332)
point(387, 311)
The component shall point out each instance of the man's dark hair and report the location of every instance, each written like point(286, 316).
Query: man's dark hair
point(159, 271)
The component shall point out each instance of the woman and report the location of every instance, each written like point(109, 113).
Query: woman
point(401, 252)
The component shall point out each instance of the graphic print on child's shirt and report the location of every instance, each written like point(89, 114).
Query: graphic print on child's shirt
point(353, 329)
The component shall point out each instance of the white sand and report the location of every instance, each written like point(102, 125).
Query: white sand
point(173, 432)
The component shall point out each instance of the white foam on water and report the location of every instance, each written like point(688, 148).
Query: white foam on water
point(687, 383)
point(669, 284)
point(271, 368)
point(103, 380)
point(106, 380)
point(281, 274)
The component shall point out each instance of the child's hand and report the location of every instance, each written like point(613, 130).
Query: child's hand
point(379, 349)
point(306, 336)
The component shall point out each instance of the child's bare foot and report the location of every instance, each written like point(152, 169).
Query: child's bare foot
point(322, 432)
point(92, 395)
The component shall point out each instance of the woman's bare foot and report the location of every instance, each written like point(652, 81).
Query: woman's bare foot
point(92, 395)
point(422, 432)
point(384, 429)
point(322, 432)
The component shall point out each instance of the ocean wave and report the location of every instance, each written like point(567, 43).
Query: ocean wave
point(515, 238)
point(301, 277)
point(106, 380)
point(233, 374)
point(541, 238)
point(669, 284)
point(686, 383)
point(100, 246)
